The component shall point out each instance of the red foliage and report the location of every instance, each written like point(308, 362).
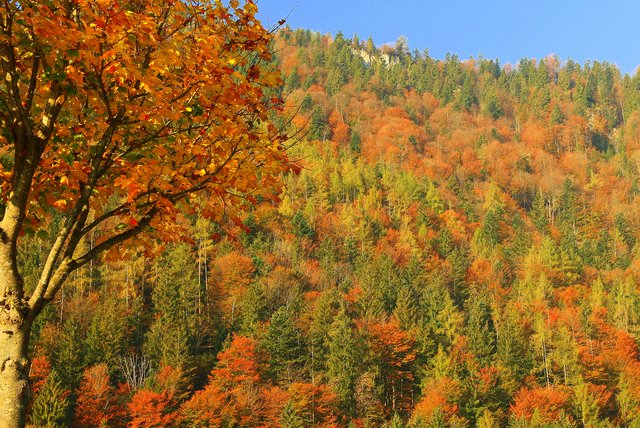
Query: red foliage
point(395, 355)
point(547, 402)
point(232, 392)
point(40, 369)
point(150, 409)
point(97, 403)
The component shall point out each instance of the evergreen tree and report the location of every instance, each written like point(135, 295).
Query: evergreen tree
point(322, 318)
point(171, 339)
point(51, 404)
point(466, 98)
point(343, 360)
point(290, 417)
point(407, 311)
point(68, 354)
point(538, 212)
point(557, 117)
point(480, 328)
point(107, 334)
point(318, 127)
point(254, 309)
point(283, 342)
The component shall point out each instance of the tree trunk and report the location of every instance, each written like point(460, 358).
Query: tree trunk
point(15, 390)
point(15, 326)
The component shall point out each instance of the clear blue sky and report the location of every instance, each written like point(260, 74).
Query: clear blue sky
point(603, 30)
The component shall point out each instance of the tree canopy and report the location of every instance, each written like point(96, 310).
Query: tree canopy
point(117, 118)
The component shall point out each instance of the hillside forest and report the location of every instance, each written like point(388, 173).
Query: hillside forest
point(460, 248)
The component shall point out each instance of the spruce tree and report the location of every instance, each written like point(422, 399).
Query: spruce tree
point(283, 342)
point(480, 328)
point(51, 404)
point(290, 417)
point(343, 360)
point(171, 339)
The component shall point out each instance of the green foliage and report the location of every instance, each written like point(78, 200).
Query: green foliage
point(482, 211)
point(283, 343)
point(107, 334)
point(171, 339)
point(68, 354)
point(480, 328)
point(51, 404)
point(343, 360)
point(290, 417)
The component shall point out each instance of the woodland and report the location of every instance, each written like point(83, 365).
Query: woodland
point(457, 246)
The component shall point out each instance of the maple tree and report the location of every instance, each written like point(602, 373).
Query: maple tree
point(115, 115)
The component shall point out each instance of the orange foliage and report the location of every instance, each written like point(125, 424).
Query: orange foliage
point(151, 409)
point(97, 403)
point(440, 396)
point(40, 369)
point(394, 352)
point(547, 402)
point(340, 130)
point(314, 402)
point(234, 270)
point(232, 393)
point(275, 399)
point(231, 274)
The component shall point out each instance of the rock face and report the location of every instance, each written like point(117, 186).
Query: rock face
point(378, 57)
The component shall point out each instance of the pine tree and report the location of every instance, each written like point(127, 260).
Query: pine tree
point(343, 360)
point(290, 417)
point(480, 328)
point(171, 339)
point(51, 405)
point(283, 342)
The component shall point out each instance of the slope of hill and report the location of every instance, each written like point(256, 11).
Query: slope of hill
point(460, 249)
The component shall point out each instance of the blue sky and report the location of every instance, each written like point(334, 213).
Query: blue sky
point(604, 30)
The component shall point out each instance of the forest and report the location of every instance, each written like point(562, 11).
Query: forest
point(460, 248)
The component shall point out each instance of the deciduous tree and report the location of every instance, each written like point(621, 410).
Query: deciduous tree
point(114, 115)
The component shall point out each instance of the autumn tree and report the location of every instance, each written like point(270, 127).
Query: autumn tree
point(115, 115)
point(232, 395)
point(394, 358)
point(97, 404)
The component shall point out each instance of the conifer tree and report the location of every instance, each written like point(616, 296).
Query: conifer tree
point(343, 360)
point(171, 339)
point(290, 417)
point(284, 344)
point(51, 405)
point(480, 328)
